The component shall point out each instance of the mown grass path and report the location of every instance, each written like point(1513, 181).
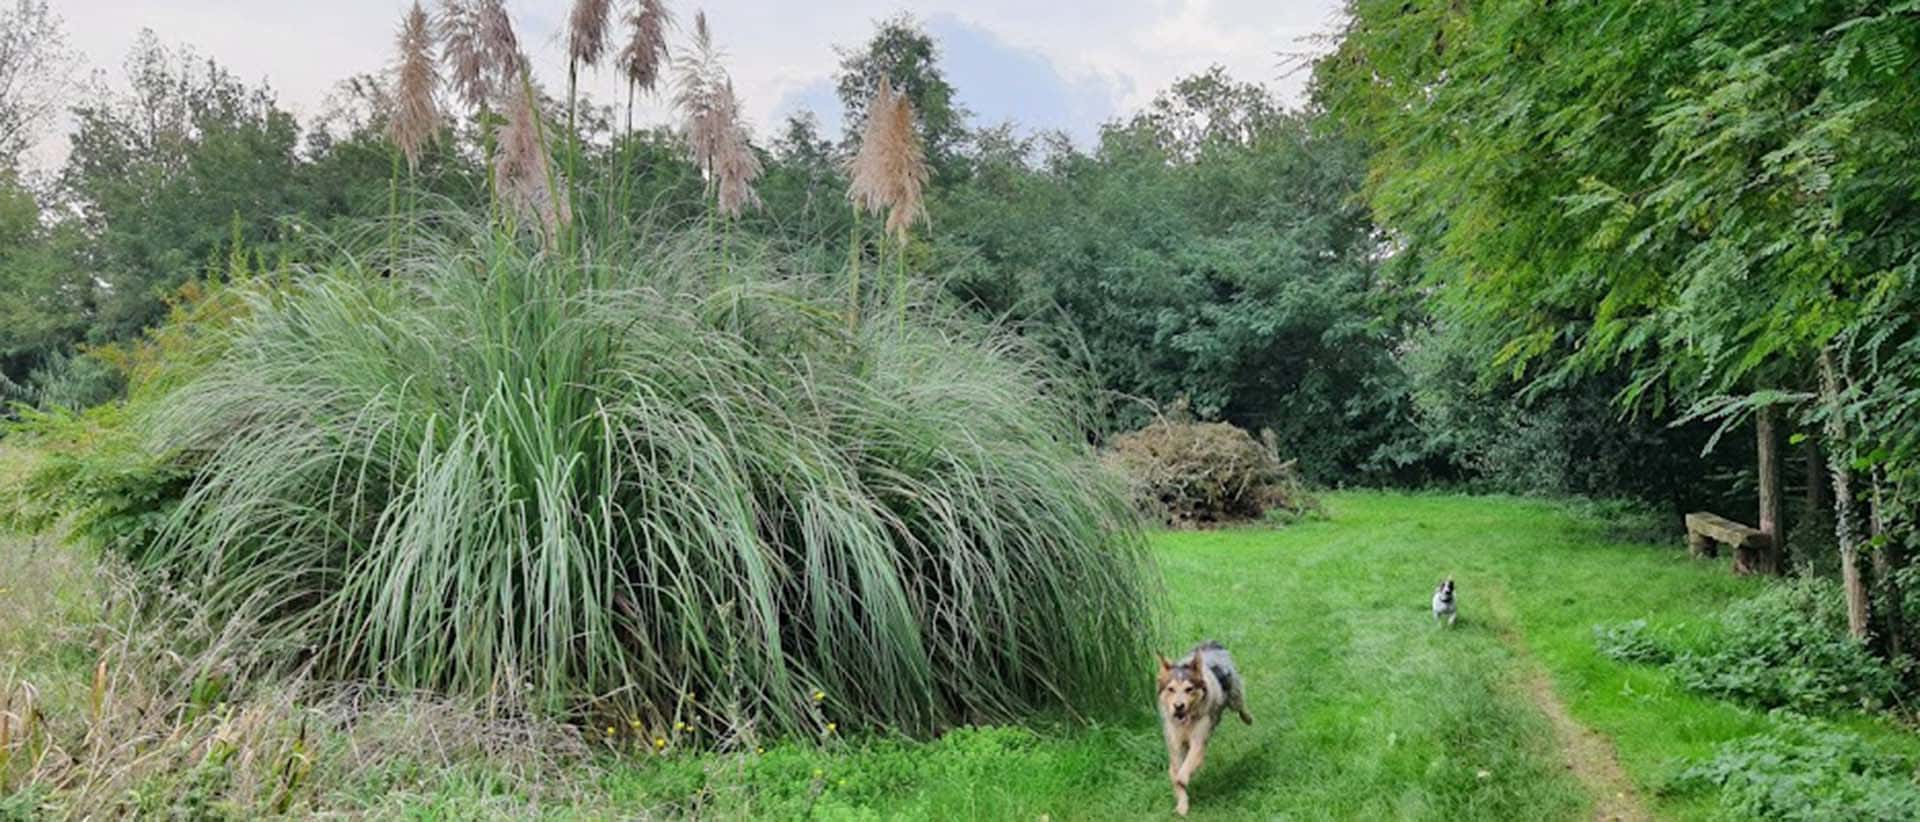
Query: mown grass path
point(1365, 709)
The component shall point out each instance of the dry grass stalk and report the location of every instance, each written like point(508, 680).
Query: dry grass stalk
point(6, 728)
point(416, 117)
point(587, 31)
point(98, 701)
point(890, 170)
point(523, 173)
point(716, 136)
point(646, 49)
point(287, 745)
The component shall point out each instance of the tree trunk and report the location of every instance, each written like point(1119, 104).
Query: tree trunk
point(1766, 559)
point(1887, 558)
point(1845, 529)
point(1816, 478)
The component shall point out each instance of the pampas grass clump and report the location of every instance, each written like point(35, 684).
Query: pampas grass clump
point(500, 471)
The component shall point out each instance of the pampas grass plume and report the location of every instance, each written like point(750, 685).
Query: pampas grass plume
point(646, 48)
point(587, 31)
point(889, 172)
point(416, 117)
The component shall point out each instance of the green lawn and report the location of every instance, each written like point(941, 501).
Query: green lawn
point(1364, 709)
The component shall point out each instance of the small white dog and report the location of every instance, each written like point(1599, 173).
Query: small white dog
point(1444, 611)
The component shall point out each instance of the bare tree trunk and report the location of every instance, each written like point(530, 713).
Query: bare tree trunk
point(1845, 529)
point(1766, 559)
point(1887, 559)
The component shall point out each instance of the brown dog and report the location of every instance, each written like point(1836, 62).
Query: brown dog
point(1194, 692)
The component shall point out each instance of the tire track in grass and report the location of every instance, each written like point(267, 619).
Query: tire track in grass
point(1587, 753)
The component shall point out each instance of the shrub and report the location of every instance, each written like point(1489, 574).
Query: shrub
point(1202, 473)
point(1805, 770)
point(91, 469)
point(1788, 647)
point(1631, 642)
point(689, 489)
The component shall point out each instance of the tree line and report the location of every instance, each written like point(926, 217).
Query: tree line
point(1218, 250)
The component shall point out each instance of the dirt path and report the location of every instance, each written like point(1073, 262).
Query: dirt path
point(1588, 755)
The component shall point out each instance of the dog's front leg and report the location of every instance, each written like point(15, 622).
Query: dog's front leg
point(1196, 753)
point(1176, 752)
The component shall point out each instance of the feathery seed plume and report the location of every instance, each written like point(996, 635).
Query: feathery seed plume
point(525, 178)
point(734, 165)
point(890, 170)
point(587, 31)
point(464, 51)
point(716, 137)
point(416, 118)
point(502, 46)
point(646, 47)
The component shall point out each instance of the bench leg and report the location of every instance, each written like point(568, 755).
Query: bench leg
point(1745, 560)
point(1702, 546)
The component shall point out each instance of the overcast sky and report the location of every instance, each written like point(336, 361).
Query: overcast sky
point(1068, 64)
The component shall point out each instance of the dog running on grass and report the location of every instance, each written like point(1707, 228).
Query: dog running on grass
point(1444, 610)
point(1194, 692)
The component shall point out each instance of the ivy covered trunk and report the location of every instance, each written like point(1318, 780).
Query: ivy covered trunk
point(1766, 559)
point(1888, 559)
point(1845, 529)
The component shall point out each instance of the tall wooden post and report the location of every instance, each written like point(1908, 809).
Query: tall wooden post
point(1767, 559)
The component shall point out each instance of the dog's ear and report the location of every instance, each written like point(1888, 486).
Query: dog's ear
point(1194, 665)
point(1165, 666)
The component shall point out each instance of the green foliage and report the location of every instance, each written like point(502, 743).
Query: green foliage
point(697, 478)
point(164, 175)
point(45, 300)
point(1210, 249)
point(1631, 642)
point(94, 469)
point(1702, 192)
point(1805, 770)
point(1788, 648)
point(94, 473)
point(1563, 438)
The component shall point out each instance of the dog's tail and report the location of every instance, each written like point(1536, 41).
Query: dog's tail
point(1210, 645)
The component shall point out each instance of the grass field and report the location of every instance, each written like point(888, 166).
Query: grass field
point(1364, 709)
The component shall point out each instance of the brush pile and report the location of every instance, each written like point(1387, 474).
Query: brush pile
point(1196, 474)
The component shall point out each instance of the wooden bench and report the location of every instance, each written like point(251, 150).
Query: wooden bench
point(1706, 532)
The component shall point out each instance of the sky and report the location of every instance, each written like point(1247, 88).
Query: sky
point(1045, 64)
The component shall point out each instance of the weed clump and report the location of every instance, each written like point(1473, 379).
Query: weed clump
point(1786, 647)
point(1805, 770)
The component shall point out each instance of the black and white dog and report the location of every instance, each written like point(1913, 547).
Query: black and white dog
point(1444, 612)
